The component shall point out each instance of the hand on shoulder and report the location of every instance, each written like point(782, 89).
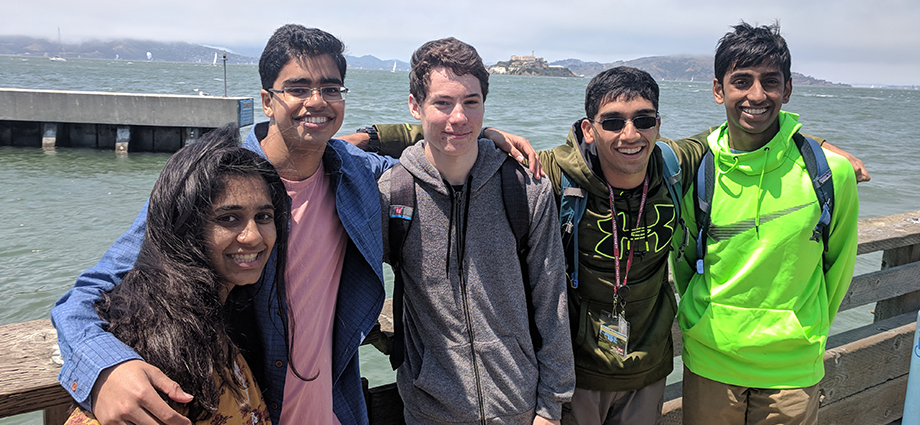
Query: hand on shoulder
point(127, 393)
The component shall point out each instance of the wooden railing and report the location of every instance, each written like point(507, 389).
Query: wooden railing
point(865, 369)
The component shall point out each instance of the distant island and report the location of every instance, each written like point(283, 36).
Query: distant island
point(530, 65)
point(662, 68)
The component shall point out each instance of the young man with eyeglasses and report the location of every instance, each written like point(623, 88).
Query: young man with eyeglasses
point(469, 353)
point(311, 329)
point(758, 301)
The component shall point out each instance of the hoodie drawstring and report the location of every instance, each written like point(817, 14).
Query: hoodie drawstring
point(760, 192)
point(455, 198)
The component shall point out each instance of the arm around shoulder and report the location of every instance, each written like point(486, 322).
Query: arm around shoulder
point(862, 174)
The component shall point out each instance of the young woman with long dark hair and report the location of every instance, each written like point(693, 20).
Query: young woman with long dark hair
point(215, 214)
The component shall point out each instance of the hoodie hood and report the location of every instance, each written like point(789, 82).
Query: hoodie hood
point(414, 160)
point(763, 160)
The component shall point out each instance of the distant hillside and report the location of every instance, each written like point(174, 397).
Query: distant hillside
point(371, 62)
point(122, 49)
point(674, 68)
point(666, 68)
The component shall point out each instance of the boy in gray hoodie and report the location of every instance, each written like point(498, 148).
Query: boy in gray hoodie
point(469, 355)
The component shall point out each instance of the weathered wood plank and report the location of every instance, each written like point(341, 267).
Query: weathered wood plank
point(880, 404)
point(56, 415)
point(28, 376)
point(893, 258)
point(865, 363)
point(889, 232)
point(875, 286)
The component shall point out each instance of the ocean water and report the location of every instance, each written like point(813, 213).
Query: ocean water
point(60, 210)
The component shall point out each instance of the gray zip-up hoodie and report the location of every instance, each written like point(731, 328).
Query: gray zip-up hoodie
point(469, 356)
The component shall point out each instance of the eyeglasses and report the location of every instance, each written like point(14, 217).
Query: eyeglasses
point(642, 122)
point(301, 94)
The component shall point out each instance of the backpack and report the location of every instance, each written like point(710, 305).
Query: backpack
point(818, 171)
point(573, 201)
point(402, 209)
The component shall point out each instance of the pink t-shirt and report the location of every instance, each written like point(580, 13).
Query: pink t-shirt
point(316, 250)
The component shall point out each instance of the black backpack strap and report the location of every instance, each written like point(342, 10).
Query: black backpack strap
point(820, 174)
point(705, 184)
point(402, 209)
point(514, 195)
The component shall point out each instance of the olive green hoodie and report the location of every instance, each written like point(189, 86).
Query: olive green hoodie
point(650, 303)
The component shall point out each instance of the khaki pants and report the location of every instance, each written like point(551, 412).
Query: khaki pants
point(640, 407)
point(708, 402)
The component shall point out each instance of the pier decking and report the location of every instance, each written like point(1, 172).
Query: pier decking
point(117, 121)
point(866, 369)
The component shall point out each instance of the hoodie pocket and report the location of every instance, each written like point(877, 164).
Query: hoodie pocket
point(767, 337)
point(444, 384)
point(447, 382)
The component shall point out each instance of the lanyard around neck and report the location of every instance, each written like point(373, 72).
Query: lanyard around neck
point(619, 287)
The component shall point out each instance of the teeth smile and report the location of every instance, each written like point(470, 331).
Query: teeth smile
point(629, 151)
point(752, 111)
point(244, 258)
point(314, 120)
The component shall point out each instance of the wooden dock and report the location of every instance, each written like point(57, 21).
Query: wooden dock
point(117, 121)
point(866, 368)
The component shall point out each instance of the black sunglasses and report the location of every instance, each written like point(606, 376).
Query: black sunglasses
point(642, 122)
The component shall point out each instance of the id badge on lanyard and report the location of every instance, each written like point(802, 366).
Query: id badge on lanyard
point(613, 336)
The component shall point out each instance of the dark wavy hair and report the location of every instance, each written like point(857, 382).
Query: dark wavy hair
point(168, 307)
point(748, 46)
point(294, 41)
point(453, 54)
point(614, 83)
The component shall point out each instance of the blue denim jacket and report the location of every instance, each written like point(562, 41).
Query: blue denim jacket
point(87, 349)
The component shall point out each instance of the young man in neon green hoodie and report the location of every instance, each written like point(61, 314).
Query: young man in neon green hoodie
point(756, 316)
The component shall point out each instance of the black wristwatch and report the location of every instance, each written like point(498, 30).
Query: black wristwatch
point(373, 145)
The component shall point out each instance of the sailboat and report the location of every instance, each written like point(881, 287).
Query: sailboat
point(215, 59)
point(58, 58)
point(394, 66)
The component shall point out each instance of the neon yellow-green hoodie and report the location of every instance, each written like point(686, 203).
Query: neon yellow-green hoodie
point(760, 314)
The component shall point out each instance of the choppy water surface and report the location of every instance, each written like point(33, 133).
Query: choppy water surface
point(59, 211)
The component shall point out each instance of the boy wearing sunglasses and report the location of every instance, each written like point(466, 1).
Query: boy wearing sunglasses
point(758, 300)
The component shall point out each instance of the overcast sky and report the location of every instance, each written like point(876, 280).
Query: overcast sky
point(848, 41)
